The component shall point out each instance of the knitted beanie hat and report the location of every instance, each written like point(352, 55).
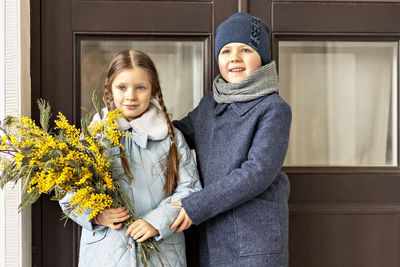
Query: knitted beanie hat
point(247, 29)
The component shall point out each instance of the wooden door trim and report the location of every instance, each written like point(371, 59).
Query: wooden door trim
point(94, 16)
point(345, 208)
point(336, 17)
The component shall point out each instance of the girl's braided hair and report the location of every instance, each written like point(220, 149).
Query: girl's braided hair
point(129, 59)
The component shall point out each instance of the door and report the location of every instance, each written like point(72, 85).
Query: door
point(72, 42)
point(344, 203)
point(338, 68)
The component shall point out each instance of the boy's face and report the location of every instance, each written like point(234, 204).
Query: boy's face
point(237, 61)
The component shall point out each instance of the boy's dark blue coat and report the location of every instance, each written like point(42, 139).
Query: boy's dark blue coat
point(240, 149)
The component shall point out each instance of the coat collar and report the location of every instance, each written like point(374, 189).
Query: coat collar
point(151, 125)
point(139, 138)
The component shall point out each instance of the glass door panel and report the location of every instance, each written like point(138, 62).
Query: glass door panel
point(180, 66)
point(344, 102)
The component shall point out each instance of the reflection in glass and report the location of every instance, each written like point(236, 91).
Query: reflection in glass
point(179, 66)
point(344, 102)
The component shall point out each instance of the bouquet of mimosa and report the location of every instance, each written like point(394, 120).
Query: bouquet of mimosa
point(67, 160)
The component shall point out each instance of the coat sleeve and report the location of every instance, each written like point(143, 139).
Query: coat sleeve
point(264, 161)
point(81, 219)
point(165, 214)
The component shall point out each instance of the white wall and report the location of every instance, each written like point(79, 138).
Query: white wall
point(15, 228)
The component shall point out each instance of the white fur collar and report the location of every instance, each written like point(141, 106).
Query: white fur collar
point(152, 122)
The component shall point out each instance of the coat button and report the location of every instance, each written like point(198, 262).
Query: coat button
point(129, 246)
point(94, 233)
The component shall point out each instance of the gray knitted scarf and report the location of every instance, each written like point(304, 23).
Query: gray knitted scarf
point(261, 82)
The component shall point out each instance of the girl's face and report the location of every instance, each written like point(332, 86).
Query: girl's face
point(131, 91)
point(237, 61)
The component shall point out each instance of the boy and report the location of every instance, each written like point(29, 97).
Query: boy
point(240, 133)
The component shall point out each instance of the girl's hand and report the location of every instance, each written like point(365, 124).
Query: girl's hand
point(141, 230)
point(110, 216)
point(183, 221)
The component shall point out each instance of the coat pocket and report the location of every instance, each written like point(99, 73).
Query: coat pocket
point(90, 237)
point(258, 227)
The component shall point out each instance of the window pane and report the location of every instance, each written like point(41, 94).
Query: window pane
point(344, 102)
point(179, 65)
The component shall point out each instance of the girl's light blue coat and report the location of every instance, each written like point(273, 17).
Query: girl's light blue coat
point(102, 246)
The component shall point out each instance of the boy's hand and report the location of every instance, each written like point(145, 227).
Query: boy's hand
point(183, 221)
point(110, 216)
point(141, 230)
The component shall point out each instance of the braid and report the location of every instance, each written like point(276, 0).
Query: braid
point(164, 109)
point(107, 97)
point(129, 59)
point(173, 160)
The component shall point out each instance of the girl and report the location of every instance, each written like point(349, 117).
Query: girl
point(162, 166)
point(240, 132)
